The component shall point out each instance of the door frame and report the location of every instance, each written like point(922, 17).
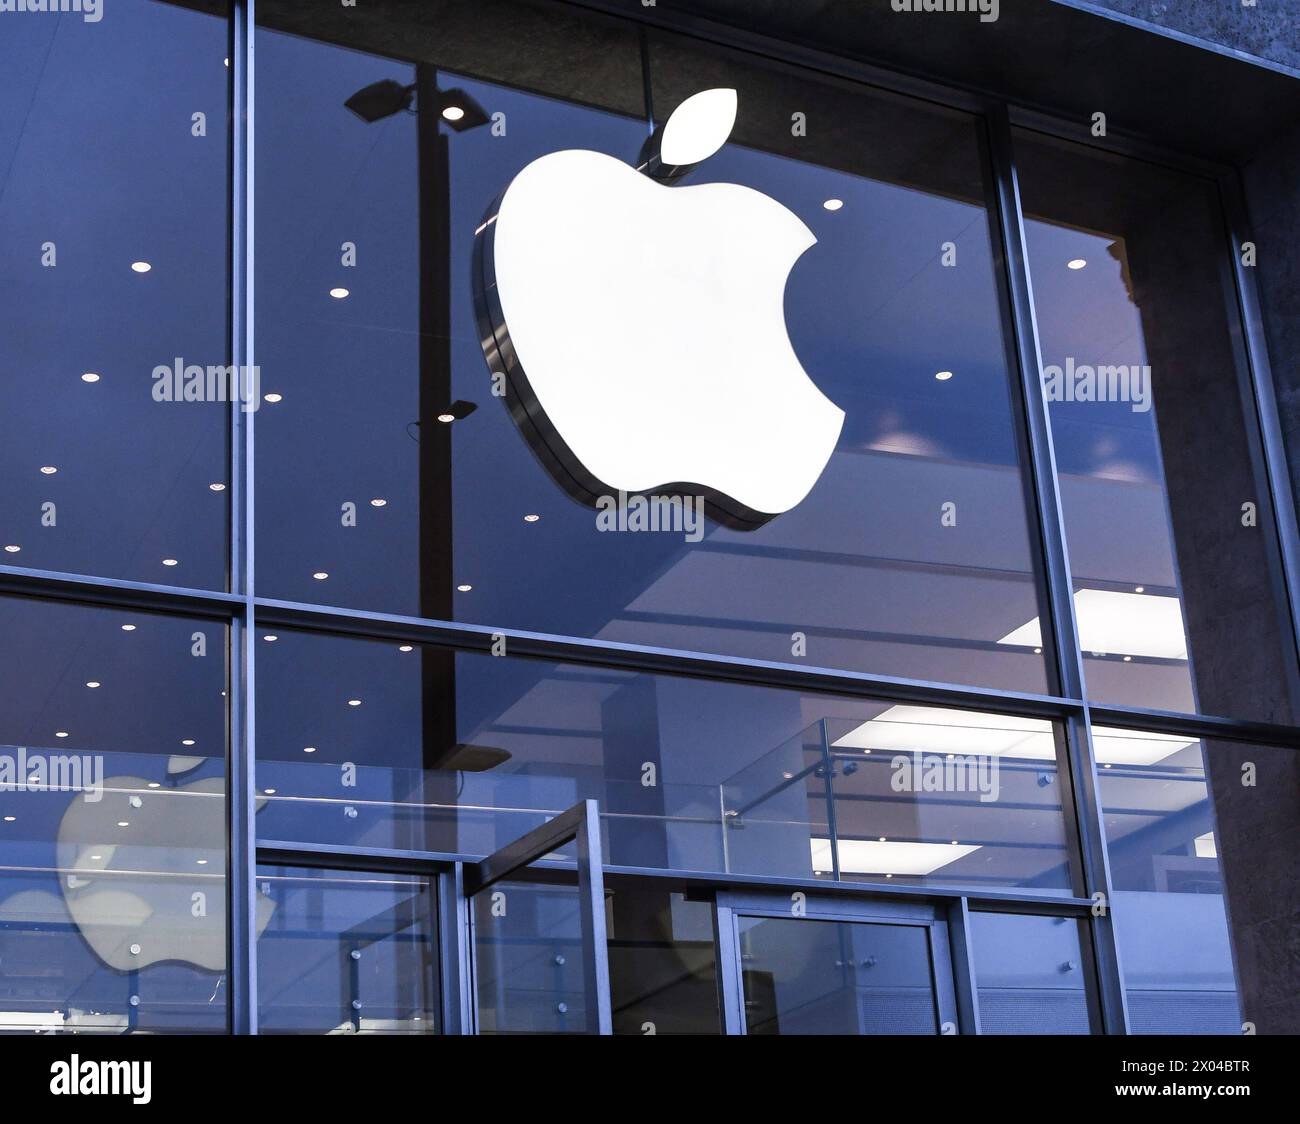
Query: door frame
point(800, 905)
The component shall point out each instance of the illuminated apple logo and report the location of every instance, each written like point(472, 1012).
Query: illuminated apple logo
point(641, 326)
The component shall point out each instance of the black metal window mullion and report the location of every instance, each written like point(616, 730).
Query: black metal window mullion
point(241, 849)
point(1084, 786)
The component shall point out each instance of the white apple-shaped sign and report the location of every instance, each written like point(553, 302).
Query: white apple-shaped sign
point(642, 326)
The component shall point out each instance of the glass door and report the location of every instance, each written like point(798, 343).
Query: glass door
point(809, 964)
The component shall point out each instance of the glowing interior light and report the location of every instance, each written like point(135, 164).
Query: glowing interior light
point(1077, 263)
point(943, 376)
point(453, 113)
point(273, 398)
point(141, 266)
point(90, 376)
point(338, 293)
point(907, 729)
point(49, 470)
point(1120, 623)
point(866, 856)
point(833, 204)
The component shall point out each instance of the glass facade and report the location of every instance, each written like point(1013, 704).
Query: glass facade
point(312, 610)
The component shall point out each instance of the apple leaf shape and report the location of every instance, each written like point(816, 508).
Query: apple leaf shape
point(698, 127)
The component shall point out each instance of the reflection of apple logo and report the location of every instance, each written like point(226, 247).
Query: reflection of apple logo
point(642, 326)
point(153, 890)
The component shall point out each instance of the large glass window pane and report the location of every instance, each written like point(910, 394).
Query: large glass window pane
point(396, 745)
point(909, 552)
point(346, 952)
point(1170, 903)
point(528, 967)
point(1031, 973)
point(112, 821)
point(836, 977)
point(1171, 535)
point(113, 250)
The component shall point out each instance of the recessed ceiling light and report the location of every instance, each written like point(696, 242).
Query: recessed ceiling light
point(12, 549)
point(141, 266)
point(216, 487)
point(862, 856)
point(453, 113)
point(10, 819)
point(1139, 589)
point(531, 518)
point(154, 784)
point(1121, 623)
point(406, 648)
point(338, 293)
point(90, 376)
point(446, 419)
point(123, 823)
point(170, 562)
point(309, 749)
point(201, 862)
point(274, 398)
point(187, 741)
point(92, 683)
point(128, 628)
point(833, 204)
point(464, 588)
point(1077, 263)
point(60, 733)
point(96, 858)
point(270, 638)
point(378, 503)
point(48, 470)
point(943, 376)
point(1128, 659)
point(354, 702)
point(269, 791)
point(320, 575)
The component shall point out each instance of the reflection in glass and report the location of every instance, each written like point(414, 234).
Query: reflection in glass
point(113, 243)
point(1169, 906)
point(1171, 535)
point(112, 821)
point(347, 953)
point(528, 968)
point(359, 744)
point(911, 553)
point(836, 977)
point(528, 960)
point(1031, 974)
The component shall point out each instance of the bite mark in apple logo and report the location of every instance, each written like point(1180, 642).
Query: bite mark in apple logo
point(641, 326)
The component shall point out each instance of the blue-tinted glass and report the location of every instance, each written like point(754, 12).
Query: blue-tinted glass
point(113, 243)
point(395, 745)
point(910, 554)
point(1171, 534)
point(1031, 974)
point(112, 821)
point(833, 977)
point(1170, 908)
point(346, 952)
